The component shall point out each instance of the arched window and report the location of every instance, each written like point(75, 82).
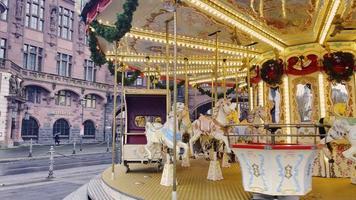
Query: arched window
point(90, 101)
point(89, 128)
point(61, 127)
point(29, 128)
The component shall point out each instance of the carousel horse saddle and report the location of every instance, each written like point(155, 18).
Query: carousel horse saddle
point(205, 124)
point(155, 126)
point(169, 134)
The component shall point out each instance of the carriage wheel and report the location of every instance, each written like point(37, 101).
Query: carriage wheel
point(127, 168)
point(160, 165)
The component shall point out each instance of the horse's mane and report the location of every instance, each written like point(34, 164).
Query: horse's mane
point(216, 109)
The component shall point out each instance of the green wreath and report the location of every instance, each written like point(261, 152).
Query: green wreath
point(220, 95)
point(122, 24)
point(272, 71)
point(111, 34)
point(127, 81)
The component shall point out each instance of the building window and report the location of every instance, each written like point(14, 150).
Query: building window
point(32, 57)
point(3, 16)
point(89, 71)
point(2, 48)
point(34, 14)
point(33, 94)
point(63, 98)
point(89, 128)
point(86, 40)
point(64, 64)
point(139, 81)
point(90, 101)
point(29, 128)
point(61, 127)
point(65, 23)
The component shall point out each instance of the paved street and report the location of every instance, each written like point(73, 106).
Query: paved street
point(35, 186)
point(22, 177)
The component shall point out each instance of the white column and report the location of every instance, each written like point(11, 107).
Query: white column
point(321, 94)
point(286, 105)
point(260, 94)
point(4, 123)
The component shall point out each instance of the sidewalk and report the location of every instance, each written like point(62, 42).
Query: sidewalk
point(40, 151)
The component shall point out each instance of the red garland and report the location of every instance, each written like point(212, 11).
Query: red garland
point(307, 65)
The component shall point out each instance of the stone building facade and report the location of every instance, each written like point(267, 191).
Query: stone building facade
point(48, 85)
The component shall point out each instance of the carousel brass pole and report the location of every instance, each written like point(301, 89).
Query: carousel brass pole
point(237, 90)
point(214, 80)
point(216, 68)
point(121, 109)
point(148, 81)
point(168, 101)
point(186, 102)
point(148, 78)
point(248, 86)
point(224, 75)
point(114, 116)
point(174, 192)
point(212, 92)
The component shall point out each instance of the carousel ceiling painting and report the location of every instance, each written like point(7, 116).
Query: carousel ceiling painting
point(250, 30)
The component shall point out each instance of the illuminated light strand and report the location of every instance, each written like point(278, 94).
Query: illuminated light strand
point(194, 43)
point(263, 36)
point(243, 18)
point(321, 95)
point(260, 94)
point(251, 98)
point(330, 18)
point(286, 106)
point(207, 80)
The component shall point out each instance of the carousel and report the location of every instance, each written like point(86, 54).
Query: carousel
point(278, 77)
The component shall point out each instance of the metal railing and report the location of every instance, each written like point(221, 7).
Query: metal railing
point(270, 136)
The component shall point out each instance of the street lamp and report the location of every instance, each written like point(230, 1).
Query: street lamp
point(2, 7)
point(83, 102)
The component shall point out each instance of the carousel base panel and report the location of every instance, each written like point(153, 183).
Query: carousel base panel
point(143, 182)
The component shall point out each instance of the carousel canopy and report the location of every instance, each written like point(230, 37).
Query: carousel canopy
point(250, 30)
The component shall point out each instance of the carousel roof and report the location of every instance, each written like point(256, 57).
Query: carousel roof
point(249, 29)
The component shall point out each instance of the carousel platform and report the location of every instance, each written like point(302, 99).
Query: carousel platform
point(143, 182)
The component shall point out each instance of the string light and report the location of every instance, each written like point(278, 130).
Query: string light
point(330, 17)
point(321, 95)
point(236, 20)
point(190, 42)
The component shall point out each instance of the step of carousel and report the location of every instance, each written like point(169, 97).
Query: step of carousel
point(143, 182)
point(96, 190)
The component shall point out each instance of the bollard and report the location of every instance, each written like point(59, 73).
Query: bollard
point(30, 153)
point(51, 163)
point(107, 145)
point(81, 142)
point(73, 147)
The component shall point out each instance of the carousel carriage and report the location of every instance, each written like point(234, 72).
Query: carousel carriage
point(142, 106)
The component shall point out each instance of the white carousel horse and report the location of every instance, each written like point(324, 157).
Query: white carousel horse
point(157, 133)
point(257, 116)
point(343, 128)
point(213, 126)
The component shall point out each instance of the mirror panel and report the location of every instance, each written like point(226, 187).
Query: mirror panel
point(304, 95)
point(339, 93)
point(275, 98)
